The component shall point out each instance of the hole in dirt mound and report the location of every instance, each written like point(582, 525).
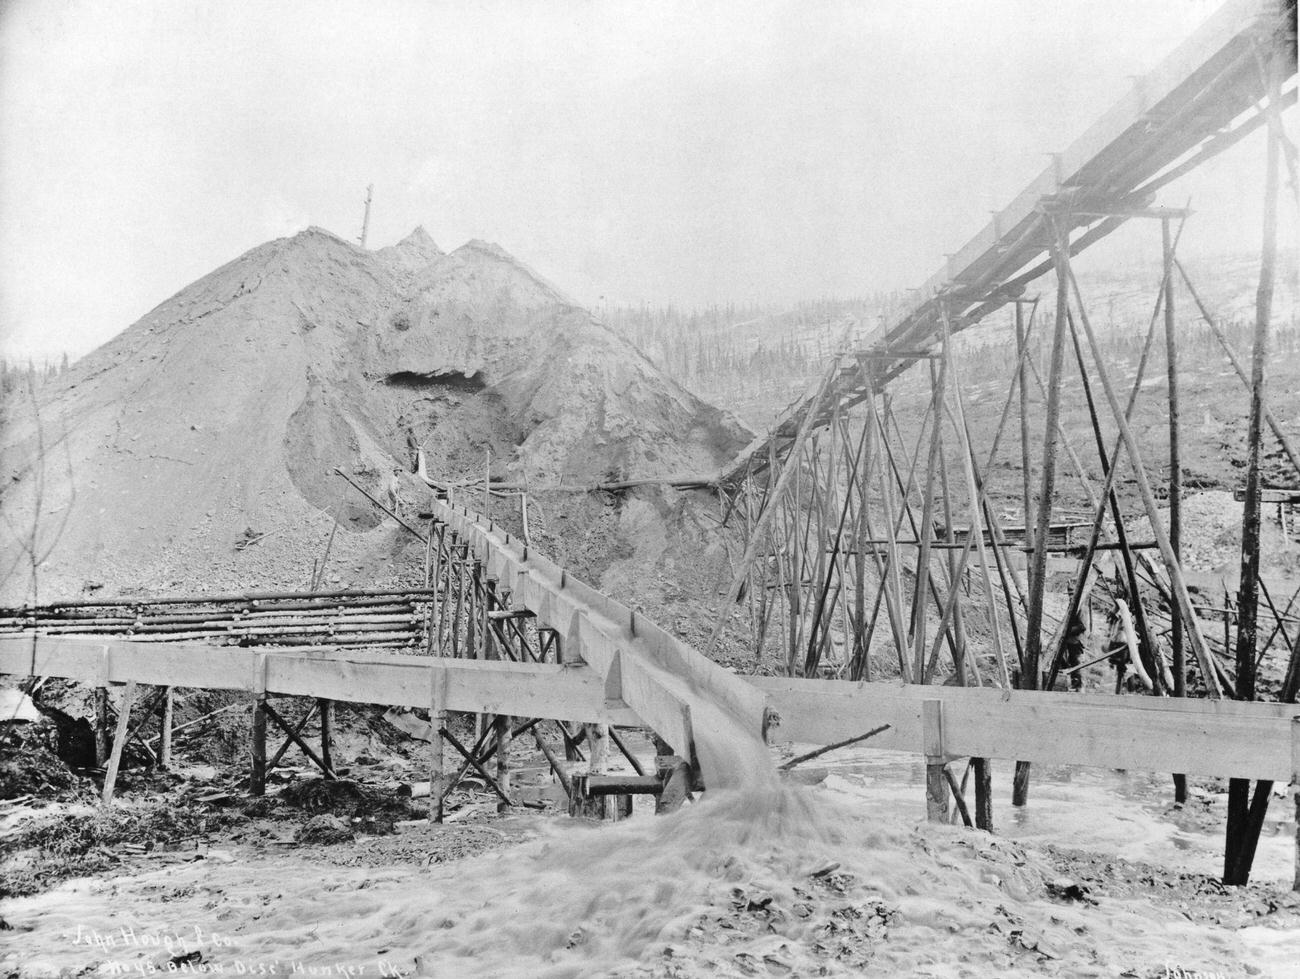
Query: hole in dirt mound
point(455, 380)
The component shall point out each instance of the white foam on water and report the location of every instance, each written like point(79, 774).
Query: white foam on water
point(735, 756)
point(724, 887)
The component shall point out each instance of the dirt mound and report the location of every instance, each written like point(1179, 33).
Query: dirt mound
point(228, 407)
point(325, 829)
point(32, 769)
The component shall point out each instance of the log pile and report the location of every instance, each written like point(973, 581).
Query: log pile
point(342, 620)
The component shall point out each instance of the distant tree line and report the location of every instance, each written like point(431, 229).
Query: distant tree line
point(743, 351)
point(758, 358)
point(15, 375)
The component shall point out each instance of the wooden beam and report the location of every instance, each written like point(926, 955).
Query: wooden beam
point(119, 742)
point(932, 746)
point(1200, 737)
point(522, 689)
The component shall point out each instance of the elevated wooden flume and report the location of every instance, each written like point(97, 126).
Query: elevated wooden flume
point(1186, 111)
point(855, 565)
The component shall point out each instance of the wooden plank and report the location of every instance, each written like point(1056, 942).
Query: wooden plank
point(658, 702)
point(478, 686)
point(1221, 739)
point(157, 664)
point(932, 746)
point(119, 742)
point(474, 686)
point(1295, 782)
point(990, 698)
point(605, 627)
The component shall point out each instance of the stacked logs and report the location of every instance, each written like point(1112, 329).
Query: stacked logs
point(343, 620)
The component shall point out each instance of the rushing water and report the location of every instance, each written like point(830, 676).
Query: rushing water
point(769, 880)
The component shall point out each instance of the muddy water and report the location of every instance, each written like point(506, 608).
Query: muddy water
point(728, 886)
point(727, 747)
point(1126, 814)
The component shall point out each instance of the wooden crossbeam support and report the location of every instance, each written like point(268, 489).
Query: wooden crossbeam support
point(257, 776)
point(119, 743)
point(473, 762)
point(288, 742)
point(297, 739)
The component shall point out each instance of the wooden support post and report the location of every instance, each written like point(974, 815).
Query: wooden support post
point(956, 569)
point(523, 515)
point(326, 710)
point(99, 703)
point(906, 508)
point(983, 794)
point(1023, 373)
point(557, 766)
point(165, 730)
point(502, 729)
point(1175, 482)
point(1108, 497)
point(927, 527)
point(1178, 585)
point(1047, 489)
point(936, 787)
point(598, 761)
point(1245, 821)
point(458, 646)
point(975, 494)
point(475, 610)
point(758, 536)
point(103, 744)
point(119, 742)
point(432, 571)
point(437, 767)
point(1109, 471)
point(257, 778)
point(1295, 784)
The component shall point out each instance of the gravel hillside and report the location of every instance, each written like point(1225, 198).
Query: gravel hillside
point(219, 417)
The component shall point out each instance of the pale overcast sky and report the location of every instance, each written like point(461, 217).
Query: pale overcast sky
point(678, 152)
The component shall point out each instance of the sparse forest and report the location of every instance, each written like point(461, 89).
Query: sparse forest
point(756, 360)
point(15, 375)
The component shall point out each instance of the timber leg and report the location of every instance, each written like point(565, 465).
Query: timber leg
point(119, 742)
point(936, 785)
point(257, 778)
point(1020, 786)
point(437, 769)
point(581, 804)
point(100, 723)
point(1295, 784)
point(983, 794)
point(165, 734)
point(326, 708)
point(502, 729)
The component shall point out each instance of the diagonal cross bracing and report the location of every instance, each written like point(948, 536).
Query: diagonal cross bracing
point(1188, 108)
point(702, 710)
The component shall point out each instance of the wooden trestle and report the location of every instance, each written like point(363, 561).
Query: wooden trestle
point(547, 647)
point(867, 557)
